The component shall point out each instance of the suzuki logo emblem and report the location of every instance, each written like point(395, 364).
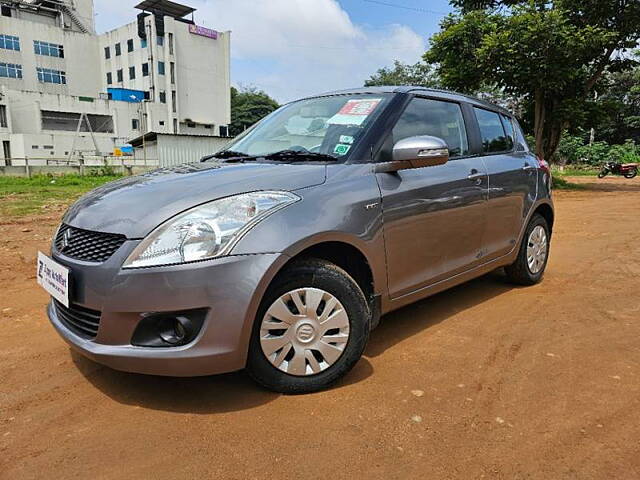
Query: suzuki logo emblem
point(66, 240)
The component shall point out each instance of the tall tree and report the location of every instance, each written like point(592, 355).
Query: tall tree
point(551, 53)
point(248, 105)
point(419, 74)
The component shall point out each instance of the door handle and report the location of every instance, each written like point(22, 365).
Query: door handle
point(528, 168)
point(476, 176)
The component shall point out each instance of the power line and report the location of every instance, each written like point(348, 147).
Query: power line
point(406, 7)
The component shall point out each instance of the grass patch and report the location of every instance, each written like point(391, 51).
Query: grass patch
point(560, 183)
point(21, 196)
point(575, 171)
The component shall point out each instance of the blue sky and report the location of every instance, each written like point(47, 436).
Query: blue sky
point(292, 48)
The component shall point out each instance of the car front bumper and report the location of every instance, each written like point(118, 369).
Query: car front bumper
point(230, 288)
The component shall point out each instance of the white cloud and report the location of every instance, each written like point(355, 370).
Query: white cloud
point(298, 47)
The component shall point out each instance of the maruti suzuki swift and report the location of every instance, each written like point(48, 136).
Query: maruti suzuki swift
point(280, 253)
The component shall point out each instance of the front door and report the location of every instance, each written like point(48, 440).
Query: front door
point(434, 216)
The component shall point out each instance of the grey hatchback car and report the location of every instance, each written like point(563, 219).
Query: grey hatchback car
point(280, 253)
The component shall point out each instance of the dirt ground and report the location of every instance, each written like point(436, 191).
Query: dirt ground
point(483, 381)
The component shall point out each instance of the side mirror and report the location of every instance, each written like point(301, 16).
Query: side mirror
point(416, 152)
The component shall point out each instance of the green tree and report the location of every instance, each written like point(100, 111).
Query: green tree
point(618, 116)
point(248, 105)
point(419, 74)
point(550, 53)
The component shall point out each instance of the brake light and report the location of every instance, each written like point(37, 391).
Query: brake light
point(544, 165)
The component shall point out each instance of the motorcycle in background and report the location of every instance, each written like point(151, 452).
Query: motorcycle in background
point(628, 170)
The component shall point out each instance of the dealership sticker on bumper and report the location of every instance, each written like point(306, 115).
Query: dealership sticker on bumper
point(54, 278)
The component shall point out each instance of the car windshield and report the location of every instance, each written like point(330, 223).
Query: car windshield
point(330, 125)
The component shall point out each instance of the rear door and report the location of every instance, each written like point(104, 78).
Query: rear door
point(512, 182)
point(434, 216)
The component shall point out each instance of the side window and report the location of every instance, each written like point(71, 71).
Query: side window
point(508, 128)
point(494, 137)
point(436, 118)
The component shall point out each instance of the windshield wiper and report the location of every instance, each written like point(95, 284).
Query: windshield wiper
point(297, 155)
point(230, 154)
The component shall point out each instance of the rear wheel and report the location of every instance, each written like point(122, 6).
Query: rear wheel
point(631, 173)
point(529, 267)
point(311, 329)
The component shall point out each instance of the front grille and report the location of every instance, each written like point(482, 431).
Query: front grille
point(87, 245)
point(80, 320)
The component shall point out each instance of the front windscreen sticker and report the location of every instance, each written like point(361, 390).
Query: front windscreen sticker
point(341, 149)
point(346, 139)
point(354, 112)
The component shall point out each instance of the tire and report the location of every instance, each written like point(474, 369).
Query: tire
point(603, 173)
point(631, 174)
point(520, 272)
point(307, 278)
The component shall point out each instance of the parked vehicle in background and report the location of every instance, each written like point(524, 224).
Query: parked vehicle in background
point(627, 170)
point(280, 254)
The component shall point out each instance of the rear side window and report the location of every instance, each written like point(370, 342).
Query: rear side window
point(492, 131)
point(436, 118)
point(508, 128)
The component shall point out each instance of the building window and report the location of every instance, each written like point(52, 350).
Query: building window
point(109, 78)
point(130, 45)
point(48, 147)
point(119, 75)
point(9, 42)
point(3, 116)
point(34, 147)
point(172, 67)
point(161, 122)
point(163, 97)
point(143, 43)
point(118, 50)
point(132, 73)
point(6, 11)
point(160, 68)
point(160, 41)
point(145, 69)
point(174, 101)
point(135, 124)
point(191, 125)
point(107, 53)
point(48, 49)
point(171, 44)
point(224, 131)
point(175, 125)
point(10, 70)
point(49, 75)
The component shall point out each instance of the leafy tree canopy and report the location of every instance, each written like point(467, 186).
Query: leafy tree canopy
point(248, 105)
point(419, 74)
point(550, 53)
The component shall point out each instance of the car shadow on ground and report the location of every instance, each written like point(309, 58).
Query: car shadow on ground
point(203, 395)
point(407, 321)
point(236, 391)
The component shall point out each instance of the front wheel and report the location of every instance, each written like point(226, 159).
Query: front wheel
point(631, 173)
point(529, 267)
point(603, 173)
point(311, 329)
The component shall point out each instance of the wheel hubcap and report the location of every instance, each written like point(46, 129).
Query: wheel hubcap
point(537, 249)
point(304, 331)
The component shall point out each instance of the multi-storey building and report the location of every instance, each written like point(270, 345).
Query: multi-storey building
point(64, 89)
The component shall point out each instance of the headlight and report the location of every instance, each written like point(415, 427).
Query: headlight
point(206, 231)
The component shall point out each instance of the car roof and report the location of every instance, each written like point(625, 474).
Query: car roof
point(431, 92)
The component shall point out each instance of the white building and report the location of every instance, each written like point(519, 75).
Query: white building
point(65, 90)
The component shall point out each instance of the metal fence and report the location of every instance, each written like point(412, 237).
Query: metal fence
point(81, 165)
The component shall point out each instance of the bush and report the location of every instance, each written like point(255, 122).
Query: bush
point(574, 150)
